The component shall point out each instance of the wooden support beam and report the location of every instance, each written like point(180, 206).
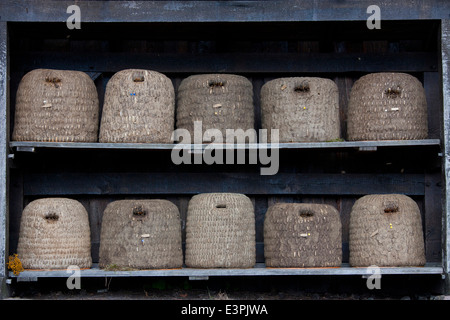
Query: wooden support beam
point(190, 183)
point(245, 63)
point(4, 151)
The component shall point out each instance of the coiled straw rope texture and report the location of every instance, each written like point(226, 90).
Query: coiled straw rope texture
point(302, 235)
point(54, 234)
point(386, 231)
point(141, 234)
point(139, 108)
point(219, 101)
point(303, 109)
point(56, 106)
point(220, 231)
point(387, 106)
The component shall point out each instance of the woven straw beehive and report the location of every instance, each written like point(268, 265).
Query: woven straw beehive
point(387, 106)
point(56, 106)
point(139, 108)
point(386, 231)
point(220, 231)
point(302, 235)
point(303, 109)
point(54, 234)
point(219, 101)
point(141, 234)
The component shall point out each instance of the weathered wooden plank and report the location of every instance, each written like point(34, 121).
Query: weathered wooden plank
point(4, 151)
point(245, 63)
point(445, 48)
point(40, 184)
point(258, 270)
point(433, 216)
point(24, 145)
point(225, 11)
point(432, 85)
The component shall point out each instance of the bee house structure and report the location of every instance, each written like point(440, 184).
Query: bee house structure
point(56, 106)
point(303, 109)
point(216, 101)
point(386, 231)
point(387, 106)
point(220, 231)
point(139, 107)
point(158, 66)
point(54, 234)
point(302, 235)
point(141, 234)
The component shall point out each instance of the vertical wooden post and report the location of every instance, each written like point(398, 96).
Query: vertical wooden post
point(4, 151)
point(445, 49)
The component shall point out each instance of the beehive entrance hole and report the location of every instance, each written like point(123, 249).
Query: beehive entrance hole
point(216, 84)
point(221, 206)
point(53, 81)
point(139, 211)
point(304, 213)
point(390, 208)
point(138, 77)
point(393, 92)
point(51, 217)
point(302, 88)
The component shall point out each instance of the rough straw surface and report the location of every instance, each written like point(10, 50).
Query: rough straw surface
point(54, 234)
point(220, 101)
point(386, 231)
point(56, 106)
point(220, 231)
point(139, 108)
point(141, 234)
point(302, 235)
point(303, 109)
point(387, 106)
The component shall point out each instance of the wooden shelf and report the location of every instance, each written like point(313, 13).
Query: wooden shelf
point(31, 146)
point(258, 270)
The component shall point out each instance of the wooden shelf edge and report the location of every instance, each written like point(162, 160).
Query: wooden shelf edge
point(258, 270)
point(30, 146)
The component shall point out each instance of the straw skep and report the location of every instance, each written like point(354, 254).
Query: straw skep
point(219, 101)
point(386, 231)
point(54, 234)
point(139, 108)
point(387, 106)
point(220, 231)
point(141, 234)
point(302, 235)
point(56, 106)
point(303, 109)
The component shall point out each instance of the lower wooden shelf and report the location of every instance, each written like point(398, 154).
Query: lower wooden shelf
point(204, 274)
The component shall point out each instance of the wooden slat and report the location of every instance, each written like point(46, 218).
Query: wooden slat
point(4, 151)
point(82, 183)
point(445, 47)
point(28, 145)
point(258, 270)
point(244, 63)
point(226, 11)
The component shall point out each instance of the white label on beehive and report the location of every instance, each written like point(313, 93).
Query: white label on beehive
point(145, 235)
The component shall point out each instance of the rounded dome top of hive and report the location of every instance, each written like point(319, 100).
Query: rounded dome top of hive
point(385, 203)
point(141, 76)
point(214, 80)
point(298, 84)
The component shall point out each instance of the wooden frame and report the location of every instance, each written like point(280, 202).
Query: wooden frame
point(236, 12)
